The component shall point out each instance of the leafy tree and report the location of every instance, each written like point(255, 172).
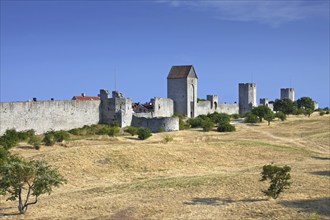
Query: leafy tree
point(23, 179)
point(279, 179)
point(306, 103)
point(269, 117)
point(280, 115)
point(261, 111)
point(308, 112)
point(286, 105)
point(251, 118)
point(144, 133)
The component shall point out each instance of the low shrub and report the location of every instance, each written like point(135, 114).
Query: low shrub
point(207, 125)
point(235, 116)
point(113, 131)
point(49, 138)
point(168, 138)
point(131, 130)
point(195, 122)
point(144, 133)
point(35, 141)
point(219, 117)
point(226, 127)
point(322, 113)
point(161, 129)
point(251, 118)
point(327, 112)
point(11, 137)
point(61, 136)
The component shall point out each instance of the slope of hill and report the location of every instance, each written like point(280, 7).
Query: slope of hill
point(199, 175)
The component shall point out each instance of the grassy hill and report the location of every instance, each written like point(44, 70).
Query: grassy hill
point(198, 175)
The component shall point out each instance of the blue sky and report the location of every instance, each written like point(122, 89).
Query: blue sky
point(58, 49)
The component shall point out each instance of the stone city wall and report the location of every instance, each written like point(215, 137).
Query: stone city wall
point(169, 123)
point(43, 116)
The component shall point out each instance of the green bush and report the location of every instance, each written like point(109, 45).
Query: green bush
point(61, 136)
point(4, 154)
point(102, 130)
point(251, 118)
point(144, 133)
point(183, 125)
point(219, 117)
point(226, 127)
point(161, 129)
point(168, 138)
point(207, 125)
point(195, 122)
point(322, 113)
point(35, 141)
point(131, 130)
point(25, 135)
point(235, 116)
point(327, 112)
point(281, 116)
point(49, 138)
point(113, 131)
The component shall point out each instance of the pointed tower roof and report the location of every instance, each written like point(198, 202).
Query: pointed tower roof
point(181, 72)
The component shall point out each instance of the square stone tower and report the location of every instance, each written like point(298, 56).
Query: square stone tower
point(287, 93)
point(247, 97)
point(182, 89)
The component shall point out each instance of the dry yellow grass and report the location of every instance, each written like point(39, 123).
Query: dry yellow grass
point(198, 175)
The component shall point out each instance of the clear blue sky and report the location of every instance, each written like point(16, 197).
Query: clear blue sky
point(58, 49)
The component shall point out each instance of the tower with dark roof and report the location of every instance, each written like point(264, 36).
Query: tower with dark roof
point(182, 89)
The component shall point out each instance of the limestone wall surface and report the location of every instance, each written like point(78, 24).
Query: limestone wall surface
point(43, 116)
point(163, 107)
point(228, 108)
point(169, 123)
point(203, 107)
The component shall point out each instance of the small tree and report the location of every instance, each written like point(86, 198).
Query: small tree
point(144, 133)
point(286, 105)
point(279, 179)
point(281, 116)
point(306, 103)
point(269, 116)
point(23, 179)
point(261, 111)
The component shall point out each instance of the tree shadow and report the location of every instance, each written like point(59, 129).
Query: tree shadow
point(5, 211)
point(25, 147)
point(321, 158)
point(319, 206)
point(321, 173)
point(216, 201)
